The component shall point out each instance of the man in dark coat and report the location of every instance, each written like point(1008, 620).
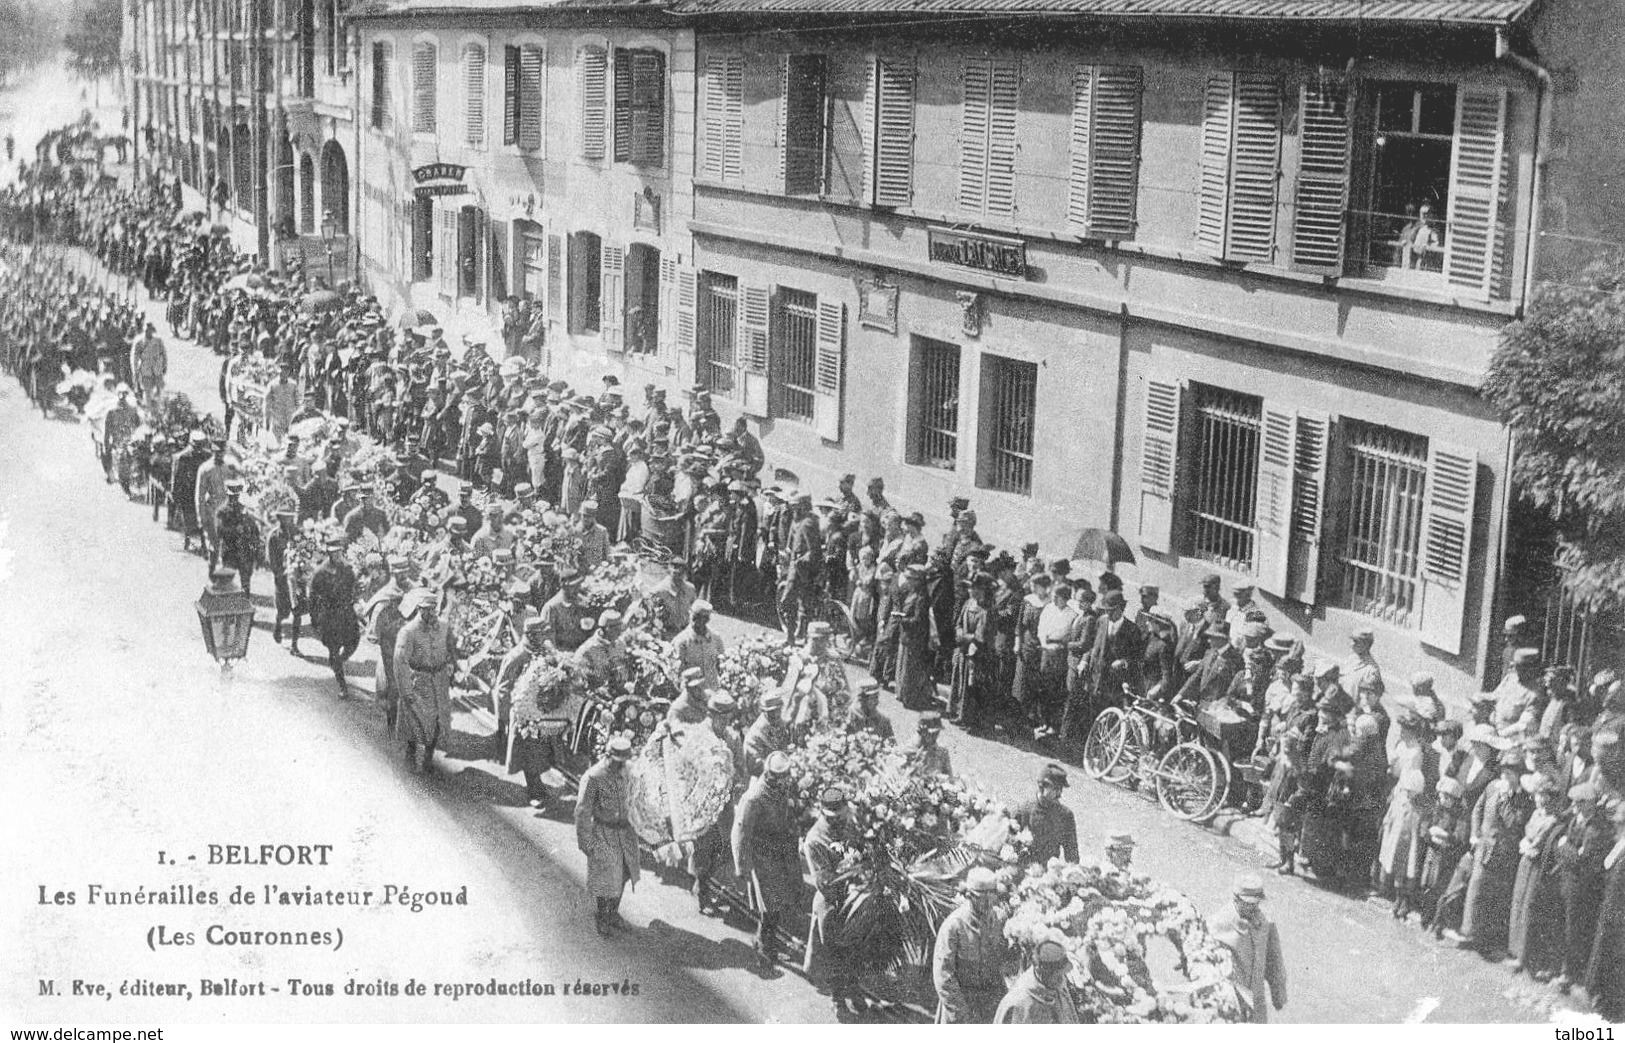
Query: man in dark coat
point(1117, 640)
point(239, 536)
point(1218, 667)
point(332, 609)
point(1054, 829)
point(804, 553)
point(183, 487)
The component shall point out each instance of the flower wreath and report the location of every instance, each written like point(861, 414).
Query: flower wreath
point(1103, 916)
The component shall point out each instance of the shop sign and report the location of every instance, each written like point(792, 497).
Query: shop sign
point(985, 253)
point(439, 179)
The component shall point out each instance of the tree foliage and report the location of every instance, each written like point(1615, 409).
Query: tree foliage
point(1558, 380)
point(93, 39)
point(30, 33)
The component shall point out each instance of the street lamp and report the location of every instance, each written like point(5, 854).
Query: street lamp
point(227, 617)
point(330, 230)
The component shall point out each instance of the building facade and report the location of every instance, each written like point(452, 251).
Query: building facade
point(1189, 286)
point(547, 155)
point(249, 103)
point(1222, 278)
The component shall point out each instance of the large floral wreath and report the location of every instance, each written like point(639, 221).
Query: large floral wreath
point(1104, 917)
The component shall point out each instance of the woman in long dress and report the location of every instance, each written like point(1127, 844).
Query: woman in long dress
point(916, 689)
point(1498, 823)
point(973, 657)
point(1026, 688)
point(1605, 979)
point(1537, 901)
point(1415, 770)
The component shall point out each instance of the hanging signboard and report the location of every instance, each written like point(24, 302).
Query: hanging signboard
point(439, 179)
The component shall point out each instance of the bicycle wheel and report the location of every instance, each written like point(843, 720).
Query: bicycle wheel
point(1132, 764)
point(1188, 780)
point(1103, 748)
point(839, 618)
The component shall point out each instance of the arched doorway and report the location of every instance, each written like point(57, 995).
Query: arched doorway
point(336, 186)
point(307, 194)
point(284, 187)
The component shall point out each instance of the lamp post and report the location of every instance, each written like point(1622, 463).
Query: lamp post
point(330, 230)
point(227, 617)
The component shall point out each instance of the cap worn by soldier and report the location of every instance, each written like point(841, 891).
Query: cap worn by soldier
point(981, 880)
point(234, 487)
point(608, 618)
point(1053, 775)
point(722, 704)
point(620, 748)
point(535, 624)
point(693, 677)
point(1250, 889)
point(778, 762)
point(832, 799)
point(930, 721)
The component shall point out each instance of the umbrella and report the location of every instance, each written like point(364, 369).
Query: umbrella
point(421, 317)
point(320, 300)
point(1103, 545)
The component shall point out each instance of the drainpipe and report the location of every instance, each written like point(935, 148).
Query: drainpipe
point(1543, 122)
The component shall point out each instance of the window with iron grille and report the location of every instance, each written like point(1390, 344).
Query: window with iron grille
point(793, 356)
point(1387, 472)
point(1009, 402)
point(1224, 477)
point(934, 391)
point(719, 315)
point(586, 256)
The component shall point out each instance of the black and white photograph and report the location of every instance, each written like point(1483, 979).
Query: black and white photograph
point(811, 512)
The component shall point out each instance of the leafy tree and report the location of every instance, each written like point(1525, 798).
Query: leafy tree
point(93, 41)
point(1558, 380)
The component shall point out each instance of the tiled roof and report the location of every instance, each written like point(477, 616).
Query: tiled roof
point(1473, 12)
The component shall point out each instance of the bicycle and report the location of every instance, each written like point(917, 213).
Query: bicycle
point(1161, 746)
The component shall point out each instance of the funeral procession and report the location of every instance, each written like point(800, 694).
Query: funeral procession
point(809, 511)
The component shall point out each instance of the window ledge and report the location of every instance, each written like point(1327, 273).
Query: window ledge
point(1365, 285)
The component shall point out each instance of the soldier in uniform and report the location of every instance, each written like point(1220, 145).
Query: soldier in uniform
point(332, 609)
point(768, 734)
point(208, 498)
point(1040, 995)
point(765, 846)
point(1258, 969)
point(605, 836)
point(425, 659)
point(239, 536)
point(568, 621)
point(967, 964)
point(513, 667)
point(711, 850)
point(866, 715)
point(384, 613)
point(830, 958)
point(804, 558)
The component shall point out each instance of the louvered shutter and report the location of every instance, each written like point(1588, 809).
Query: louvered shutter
point(1323, 178)
point(685, 329)
point(891, 182)
point(591, 72)
point(1159, 465)
point(611, 295)
point(1447, 542)
point(555, 280)
point(1104, 165)
point(667, 340)
point(378, 80)
point(1005, 97)
point(448, 253)
point(1311, 439)
point(724, 117)
point(648, 121)
point(623, 105)
point(1474, 248)
point(1213, 199)
point(497, 237)
point(1273, 496)
point(829, 369)
point(474, 95)
point(1254, 169)
point(973, 135)
point(531, 86)
point(802, 124)
point(423, 88)
point(510, 95)
point(751, 338)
